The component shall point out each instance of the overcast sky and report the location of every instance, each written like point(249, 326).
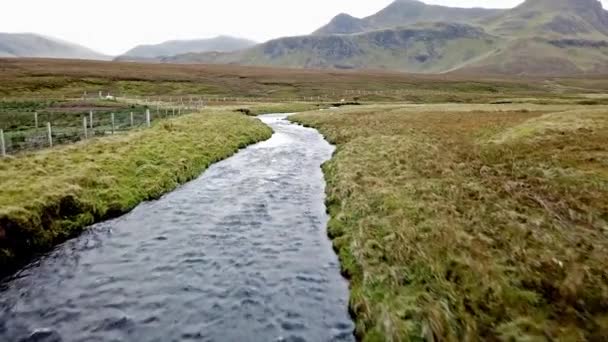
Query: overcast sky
point(114, 26)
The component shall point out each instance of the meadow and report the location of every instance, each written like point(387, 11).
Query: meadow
point(463, 207)
point(471, 222)
point(57, 79)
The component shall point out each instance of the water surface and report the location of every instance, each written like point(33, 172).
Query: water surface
point(239, 254)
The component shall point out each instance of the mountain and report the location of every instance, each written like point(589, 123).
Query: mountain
point(33, 45)
point(549, 37)
point(176, 47)
point(425, 48)
point(402, 13)
point(344, 24)
point(584, 19)
point(538, 37)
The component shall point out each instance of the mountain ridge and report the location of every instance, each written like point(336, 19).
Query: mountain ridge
point(541, 37)
point(175, 47)
point(404, 12)
point(17, 45)
point(538, 37)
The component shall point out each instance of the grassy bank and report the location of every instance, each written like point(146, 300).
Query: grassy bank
point(51, 195)
point(461, 223)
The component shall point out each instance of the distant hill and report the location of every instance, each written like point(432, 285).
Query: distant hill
point(33, 45)
point(538, 37)
point(403, 13)
point(549, 37)
point(425, 48)
point(176, 47)
point(584, 19)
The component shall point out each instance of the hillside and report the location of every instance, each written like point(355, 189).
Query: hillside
point(549, 37)
point(32, 45)
point(177, 47)
point(432, 48)
point(402, 13)
point(538, 37)
point(582, 19)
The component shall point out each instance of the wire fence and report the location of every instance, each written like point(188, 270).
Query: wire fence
point(37, 126)
point(29, 124)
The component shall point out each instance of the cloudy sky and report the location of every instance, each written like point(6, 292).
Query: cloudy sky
point(114, 26)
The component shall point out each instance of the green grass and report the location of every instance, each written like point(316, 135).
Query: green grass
point(463, 223)
point(51, 195)
point(19, 115)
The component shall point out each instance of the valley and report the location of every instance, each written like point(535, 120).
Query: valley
point(415, 173)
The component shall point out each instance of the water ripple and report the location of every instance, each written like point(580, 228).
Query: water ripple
point(240, 254)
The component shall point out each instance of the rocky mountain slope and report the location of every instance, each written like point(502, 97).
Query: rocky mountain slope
point(542, 37)
point(403, 13)
point(426, 48)
point(176, 47)
point(549, 37)
point(32, 45)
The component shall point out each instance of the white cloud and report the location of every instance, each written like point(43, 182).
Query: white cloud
point(114, 26)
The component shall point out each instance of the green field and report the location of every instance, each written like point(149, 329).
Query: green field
point(461, 223)
point(462, 208)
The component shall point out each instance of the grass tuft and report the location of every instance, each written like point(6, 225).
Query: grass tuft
point(50, 195)
point(471, 222)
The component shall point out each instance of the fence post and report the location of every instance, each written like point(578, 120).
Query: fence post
point(173, 112)
point(36, 119)
point(148, 118)
point(2, 144)
point(84, 127)
point(112, 123)
point(132, 120)
point(49, 134)
point(91, 119)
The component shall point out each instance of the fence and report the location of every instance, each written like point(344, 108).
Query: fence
point(29, 124)
point(27, 131)
point(333, 96)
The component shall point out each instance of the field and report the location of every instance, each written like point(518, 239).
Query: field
point(471, 222)
point(50, 195)
point(25, 122)
point(463, 208)
point(35, 78)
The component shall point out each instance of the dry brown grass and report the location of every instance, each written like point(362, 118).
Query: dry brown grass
point(451, 232)
point(40, 77)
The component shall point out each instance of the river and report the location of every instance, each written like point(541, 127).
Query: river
point(239, 254)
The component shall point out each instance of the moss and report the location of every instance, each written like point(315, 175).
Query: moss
point(51, 195)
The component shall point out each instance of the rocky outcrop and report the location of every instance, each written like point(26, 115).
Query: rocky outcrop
point(343, 24)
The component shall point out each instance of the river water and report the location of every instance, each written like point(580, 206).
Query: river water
point(239, 254)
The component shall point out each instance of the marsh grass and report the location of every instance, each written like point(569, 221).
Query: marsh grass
point(461, 224)
point(26, 78)
point(50, 195)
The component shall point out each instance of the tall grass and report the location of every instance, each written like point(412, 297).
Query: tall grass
point(471, 224)
point(51, 195)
